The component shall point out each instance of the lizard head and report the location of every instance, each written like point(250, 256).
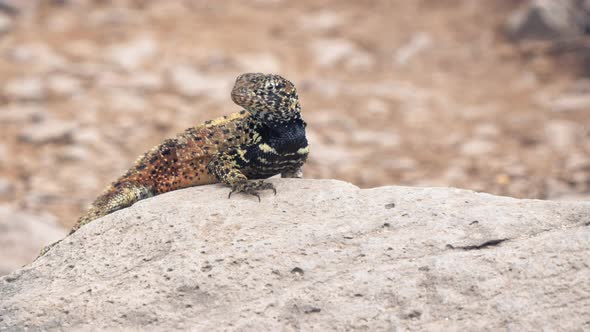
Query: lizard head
point(271, 98)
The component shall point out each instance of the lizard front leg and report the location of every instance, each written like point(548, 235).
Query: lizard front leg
point(226, 167)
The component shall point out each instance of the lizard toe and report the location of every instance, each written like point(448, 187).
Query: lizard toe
point(252, 188)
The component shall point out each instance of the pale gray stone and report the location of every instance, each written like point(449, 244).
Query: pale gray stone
point(3, 153)
point(64, 85)
point(40, 56)
point(375, 138)
point(141, 81)
point(549, 19)
point(51, 131)
point(377, 106)
point(145, 81)
point(25, 88)
point(329, 52)
point(22, 114)
point(320, 21)
point(123, 101)
point(6, 23)
point(417, 44)
point(320, 255)
point(562, 134)
point(259, 62)
point(6, 187)
point(477, 147)
point(190, 82)
point(569, 103)
point(133, 54)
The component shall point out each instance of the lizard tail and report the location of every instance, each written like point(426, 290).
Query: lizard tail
point(116, 197)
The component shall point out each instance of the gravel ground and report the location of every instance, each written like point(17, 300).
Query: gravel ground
point(420, 93)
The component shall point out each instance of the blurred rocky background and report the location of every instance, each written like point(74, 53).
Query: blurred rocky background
point(484, 95)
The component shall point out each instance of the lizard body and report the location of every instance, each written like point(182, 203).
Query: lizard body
point(266, 138)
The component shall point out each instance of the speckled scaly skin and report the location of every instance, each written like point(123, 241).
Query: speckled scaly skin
point(264, 139)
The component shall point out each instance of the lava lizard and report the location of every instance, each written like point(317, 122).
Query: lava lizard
point(264, 139)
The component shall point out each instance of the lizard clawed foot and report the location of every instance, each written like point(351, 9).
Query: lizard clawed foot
point(251, 188)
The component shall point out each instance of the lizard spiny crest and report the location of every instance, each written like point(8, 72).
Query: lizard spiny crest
point(270, 98)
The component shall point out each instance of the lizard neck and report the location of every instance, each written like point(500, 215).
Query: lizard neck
point(278, 116)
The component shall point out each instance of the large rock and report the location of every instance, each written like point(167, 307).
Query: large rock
point(319, 255)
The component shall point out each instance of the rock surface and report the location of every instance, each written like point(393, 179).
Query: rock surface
point(319, 255)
